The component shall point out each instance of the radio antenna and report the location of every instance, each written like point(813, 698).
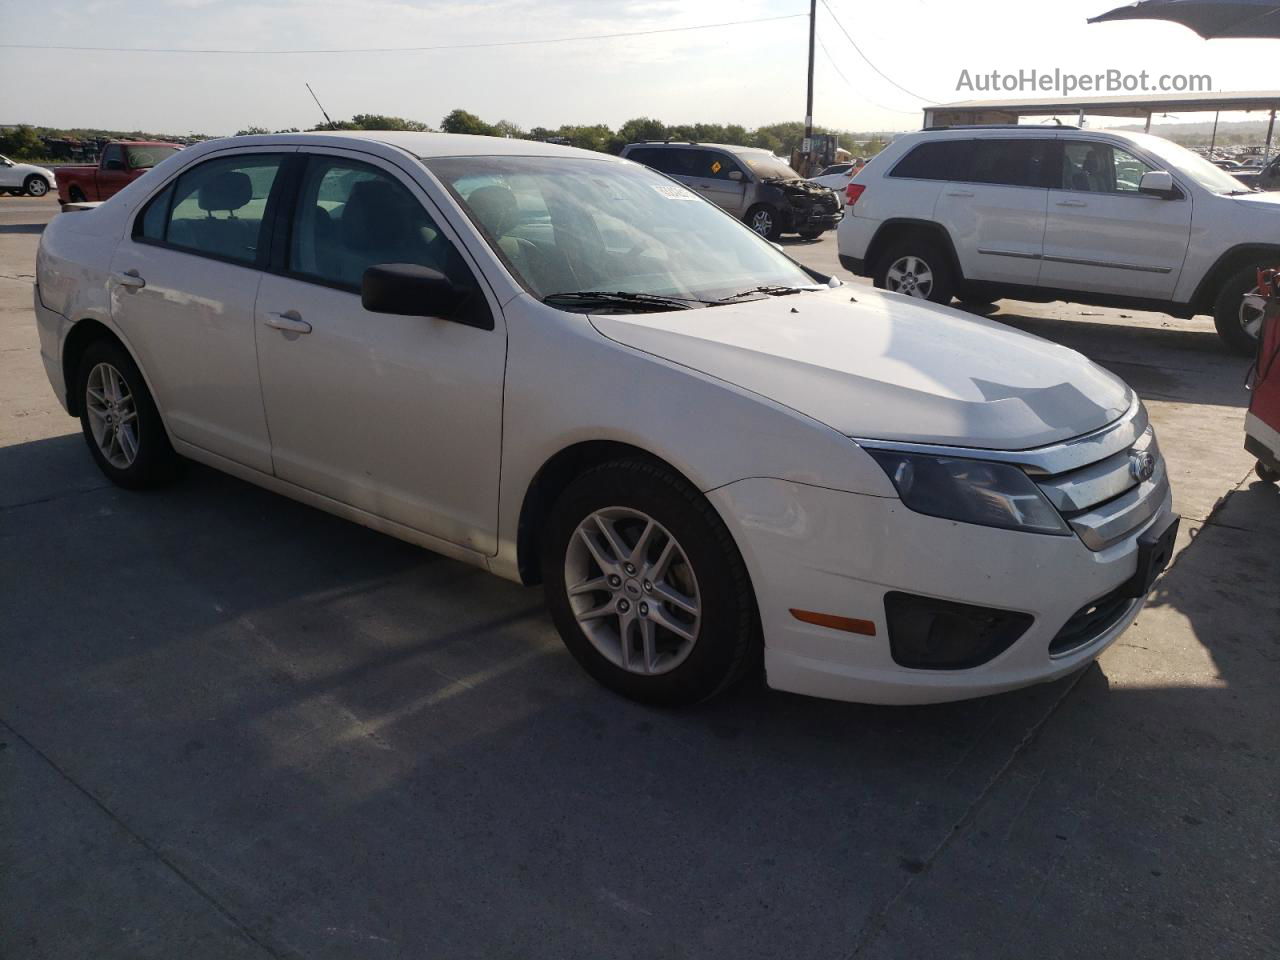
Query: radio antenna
point(319, 104)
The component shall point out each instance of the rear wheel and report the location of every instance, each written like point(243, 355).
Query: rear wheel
point(764, 220)
point(1237, 312)
point(120, 421)
point(646, 586)
point(917, 267)
point(36, 186)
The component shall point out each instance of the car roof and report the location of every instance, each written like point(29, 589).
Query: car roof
point(427, 145)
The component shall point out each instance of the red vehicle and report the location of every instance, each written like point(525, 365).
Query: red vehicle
point(1262, 423)
point(122, 162)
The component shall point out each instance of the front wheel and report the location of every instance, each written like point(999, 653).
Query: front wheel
point(1266, 474)
point(917, 268)
point(36, 186)
point(646, 586)
point(1238, 310)
point(76, 195)
point(120, 421)
point(764, 220)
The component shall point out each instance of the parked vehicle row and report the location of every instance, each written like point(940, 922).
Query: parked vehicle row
point(750, 183)
point(121, 163)
point(569, 369)
point(1040, 213)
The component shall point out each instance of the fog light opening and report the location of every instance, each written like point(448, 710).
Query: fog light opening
point(930, 634)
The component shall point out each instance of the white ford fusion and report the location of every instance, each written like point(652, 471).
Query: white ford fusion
point(567, 368)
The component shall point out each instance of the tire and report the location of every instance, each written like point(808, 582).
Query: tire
point(35, 186)
point(134, 459)
point(764, 220)
point(715, 645)
point(1238, 326)
point(75, 195)
point(917, 267)
point(1266, 474)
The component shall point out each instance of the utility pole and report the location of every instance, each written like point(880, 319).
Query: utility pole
point(808, 108)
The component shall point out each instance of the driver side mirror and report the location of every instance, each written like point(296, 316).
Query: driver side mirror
point(735, 174)
point(1158, 183)
point(412, 290)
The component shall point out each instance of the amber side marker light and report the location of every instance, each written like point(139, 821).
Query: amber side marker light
point(865, 627)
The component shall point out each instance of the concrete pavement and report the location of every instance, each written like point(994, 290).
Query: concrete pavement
point(233, 726)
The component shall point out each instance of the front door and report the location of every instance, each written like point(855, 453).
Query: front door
point(183, 288)
point(1103, 236)
point(399, 416)
point(712, 176)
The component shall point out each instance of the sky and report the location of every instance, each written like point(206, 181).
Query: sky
point(749, 74)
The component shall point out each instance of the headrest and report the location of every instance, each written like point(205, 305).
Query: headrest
point(495, 207)
point(374, 215)
point(229, 190)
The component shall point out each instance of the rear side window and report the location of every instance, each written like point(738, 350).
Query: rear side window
point(1013, 163)
point(215, 209)
point(935, 160)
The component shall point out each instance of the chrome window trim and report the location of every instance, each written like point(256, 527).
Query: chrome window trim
point(1120, 434)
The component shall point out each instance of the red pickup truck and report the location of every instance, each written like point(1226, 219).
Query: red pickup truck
point(122, 162)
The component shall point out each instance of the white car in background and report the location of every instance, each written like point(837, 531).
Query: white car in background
point(565, 368)
point(1055, 213)
point(16, 177)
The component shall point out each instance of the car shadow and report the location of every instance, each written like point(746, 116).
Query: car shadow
point(27, 228)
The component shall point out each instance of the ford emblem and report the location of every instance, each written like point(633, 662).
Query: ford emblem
point(1142, 465)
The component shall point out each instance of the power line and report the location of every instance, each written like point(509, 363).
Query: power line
point(449, 46)
point(836, 68)
point(855, 46)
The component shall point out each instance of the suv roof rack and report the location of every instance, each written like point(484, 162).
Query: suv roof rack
point(669, 140)
point(1001, 126)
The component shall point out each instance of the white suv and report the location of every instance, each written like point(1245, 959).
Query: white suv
point(1057, 213)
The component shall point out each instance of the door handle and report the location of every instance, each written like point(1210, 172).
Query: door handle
point(289, 322)
point(1072, 203)
point(129, 279)
point(959, 193)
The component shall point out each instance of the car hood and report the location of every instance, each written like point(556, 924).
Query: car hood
point(1268, 201)
point(884, 366)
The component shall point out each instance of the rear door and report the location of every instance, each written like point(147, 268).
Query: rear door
point(183, 289)
point(1104, 236)
point(994, 206)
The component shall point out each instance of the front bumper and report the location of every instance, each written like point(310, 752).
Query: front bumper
point(811, 217)
point(837, 553)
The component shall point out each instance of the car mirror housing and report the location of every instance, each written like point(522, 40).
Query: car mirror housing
point(735, 174)
point(1158, 183)
point(413, 290)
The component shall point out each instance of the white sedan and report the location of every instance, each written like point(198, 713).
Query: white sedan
point(18, 177)
point(568, 369)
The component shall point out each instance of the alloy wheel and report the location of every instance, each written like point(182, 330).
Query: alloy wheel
point(113, 416)
point(38, 188)
point(910, 275)
point(633, 591)
point(762, 223)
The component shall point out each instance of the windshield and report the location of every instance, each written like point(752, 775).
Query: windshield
point(768, 167)
point(146, 157)
point(1206, 174)
point(566, 225)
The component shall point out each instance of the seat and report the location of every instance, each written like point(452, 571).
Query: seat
point(227, 236)
point(378, 225)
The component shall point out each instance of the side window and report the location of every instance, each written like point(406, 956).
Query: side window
point(351, 216)
point(1100, 168)
point(646, 155)
point(113, 157)
point(720, 165)
point(151, 225)
point(218, 207)
point(1015, 163)
point(935, 160)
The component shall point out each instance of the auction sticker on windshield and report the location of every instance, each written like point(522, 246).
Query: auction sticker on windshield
point(673, 192)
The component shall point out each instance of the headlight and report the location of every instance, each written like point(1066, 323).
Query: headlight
point(972, 491)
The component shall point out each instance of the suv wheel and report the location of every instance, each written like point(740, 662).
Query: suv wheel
point(764, 220)
point(918, 268)
point(120, 421)
point(646, 586)
point(1237, 314)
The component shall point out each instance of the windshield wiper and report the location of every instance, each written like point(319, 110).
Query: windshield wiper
point(622, 298)
point(768, 290)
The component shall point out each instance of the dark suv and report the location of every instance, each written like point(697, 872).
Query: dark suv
point(750, 183)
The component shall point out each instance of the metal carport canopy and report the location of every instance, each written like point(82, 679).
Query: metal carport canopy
point(1010, 111)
